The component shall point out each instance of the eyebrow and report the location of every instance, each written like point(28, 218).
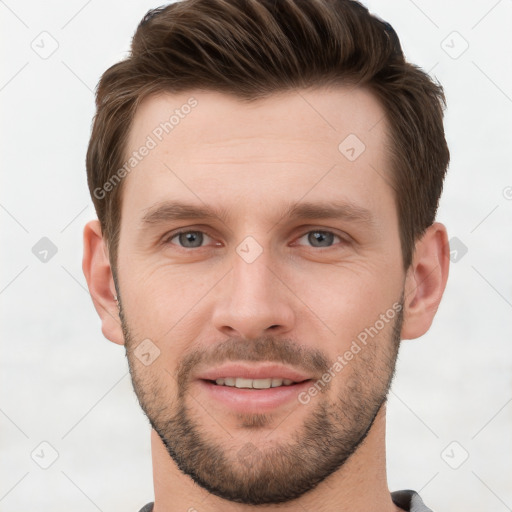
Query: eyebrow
point(167, 211)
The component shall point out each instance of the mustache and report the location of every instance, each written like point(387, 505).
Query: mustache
point(262, 349)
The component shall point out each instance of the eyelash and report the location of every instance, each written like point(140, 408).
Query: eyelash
point(167, 239)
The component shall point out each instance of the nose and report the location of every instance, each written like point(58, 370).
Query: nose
point(254, 300)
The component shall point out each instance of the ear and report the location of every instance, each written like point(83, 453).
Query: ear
point(98, 273)
point(425, 281)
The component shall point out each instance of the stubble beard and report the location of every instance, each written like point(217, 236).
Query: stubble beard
point(273, 472)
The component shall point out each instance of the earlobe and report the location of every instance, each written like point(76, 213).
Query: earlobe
point(426, 281)
point(98, 273)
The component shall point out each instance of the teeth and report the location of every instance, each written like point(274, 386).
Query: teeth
point(261, 383)
point(277, 382)
point(240, 382)
point(243, 383)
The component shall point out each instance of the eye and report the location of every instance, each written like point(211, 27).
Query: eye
point(188, 239)
point(320, 238)
point(194, 239)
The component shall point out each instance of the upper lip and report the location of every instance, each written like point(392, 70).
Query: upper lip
point(260, 371)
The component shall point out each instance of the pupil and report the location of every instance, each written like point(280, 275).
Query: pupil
point(319, 236)
point(188, 239)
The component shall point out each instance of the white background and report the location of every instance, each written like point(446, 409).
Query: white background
point(63, 383)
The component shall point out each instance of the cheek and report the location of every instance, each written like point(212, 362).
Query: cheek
point(162, 301)
point(344, 300)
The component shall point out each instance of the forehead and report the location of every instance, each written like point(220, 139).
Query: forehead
point(211, 147)
point(198, 118)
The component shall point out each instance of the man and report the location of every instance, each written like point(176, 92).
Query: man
point(266, 177)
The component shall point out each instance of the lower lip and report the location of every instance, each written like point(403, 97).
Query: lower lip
point(253, 400)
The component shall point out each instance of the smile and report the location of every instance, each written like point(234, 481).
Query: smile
point(242, 383)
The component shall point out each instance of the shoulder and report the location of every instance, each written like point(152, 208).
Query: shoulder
point(409, 500)
point(147, 508)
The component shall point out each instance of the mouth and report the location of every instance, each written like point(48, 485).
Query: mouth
point(243, 383)
point(253, 389)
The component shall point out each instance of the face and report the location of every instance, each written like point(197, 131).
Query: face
point(261, 283)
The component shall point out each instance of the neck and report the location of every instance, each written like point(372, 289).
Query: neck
point(359, 485)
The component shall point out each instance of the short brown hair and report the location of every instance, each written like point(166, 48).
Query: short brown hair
point(253, 48)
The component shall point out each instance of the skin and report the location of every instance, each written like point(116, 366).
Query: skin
point(252, 160)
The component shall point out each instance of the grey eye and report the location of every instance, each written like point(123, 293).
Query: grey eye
point(319, 238)
point(190, 239)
